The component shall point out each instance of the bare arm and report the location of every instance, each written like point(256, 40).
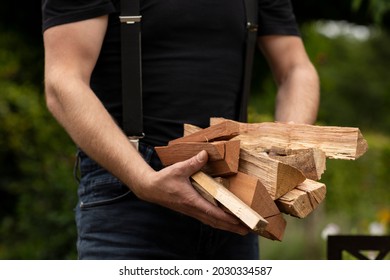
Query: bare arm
point(71, 52)
point(297, 80)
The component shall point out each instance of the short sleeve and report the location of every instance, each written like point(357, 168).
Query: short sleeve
point(56, 12)
point(276, 17)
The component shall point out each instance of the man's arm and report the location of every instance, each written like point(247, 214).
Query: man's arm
point(297, 80)
point(71, 52)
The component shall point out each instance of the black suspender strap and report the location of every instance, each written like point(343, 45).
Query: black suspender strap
point(251, 7)
point(131, 68)
point(132, 120)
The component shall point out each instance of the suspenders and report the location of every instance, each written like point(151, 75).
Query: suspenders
point(251, 8)
point(132, 71)
point(132, 121)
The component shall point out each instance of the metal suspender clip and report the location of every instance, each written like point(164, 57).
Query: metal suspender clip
point(252, 27)
point(134, 140)
point(130, 19)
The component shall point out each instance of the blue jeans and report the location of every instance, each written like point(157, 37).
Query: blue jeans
point(112, 223)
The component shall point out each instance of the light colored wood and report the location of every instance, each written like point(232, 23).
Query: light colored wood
point(277, 177)
point(205, 194)
point(337, 142)
point(302, 200)
point(236, 206)
point(252, 192)
point(190, 129)
point(311, 162)
point(223, 131)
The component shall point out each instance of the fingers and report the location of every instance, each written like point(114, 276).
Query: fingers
point(174, 190)
point(215, 217)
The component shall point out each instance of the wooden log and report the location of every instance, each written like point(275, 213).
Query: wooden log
point(253, 193)
point(229, 164)
point(223, 155)
point(185, 150)
point(205, 194)
point(190, 129)
point(311, 162)
point(337, 142)
point(225, 130)
point(302, 200)
point(236, 206)
point(277, 177)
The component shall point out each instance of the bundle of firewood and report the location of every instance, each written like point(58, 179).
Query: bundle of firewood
point(258, 171)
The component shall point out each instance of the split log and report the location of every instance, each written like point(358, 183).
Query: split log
point(205, 194)
point(277, 177)
point(236, 206)
point(302, 200)
point(311, 162)
point(223, 155)
point(190, 129)
point(336, 142)
point(253, 193)
point(185, 150)
point(225, 130)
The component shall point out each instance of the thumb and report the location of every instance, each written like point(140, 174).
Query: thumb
point(194, 164)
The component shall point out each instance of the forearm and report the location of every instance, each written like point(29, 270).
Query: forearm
point(298, 96)
point(297, 80)
point(91, 127)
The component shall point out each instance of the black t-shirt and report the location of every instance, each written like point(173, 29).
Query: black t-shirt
point(192, 56)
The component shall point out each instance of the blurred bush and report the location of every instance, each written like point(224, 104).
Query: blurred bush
point(37, 192)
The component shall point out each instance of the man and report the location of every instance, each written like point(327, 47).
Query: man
point(192, 58)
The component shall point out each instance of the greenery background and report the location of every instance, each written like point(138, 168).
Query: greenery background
point(37, 190)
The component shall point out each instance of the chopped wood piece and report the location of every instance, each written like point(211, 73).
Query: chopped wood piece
point(223, 155)
point(311, 162)
point(183, 151)
point(336, 142)
point(228, 165)
point(277, 177)
point(190, 129)
point(205, 194)
point(252, 192)
point(223, 131)
point(236, 206)
point(302, 200)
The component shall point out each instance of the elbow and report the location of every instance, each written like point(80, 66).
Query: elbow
point(52, 96)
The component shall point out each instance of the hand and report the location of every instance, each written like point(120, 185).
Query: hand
point(171, 188)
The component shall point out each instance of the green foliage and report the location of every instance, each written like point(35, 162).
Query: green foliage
point(377, 8)
point(37, 193)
